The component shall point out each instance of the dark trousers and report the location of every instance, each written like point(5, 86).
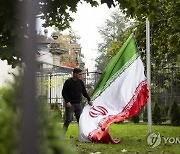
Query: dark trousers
point(76, 109)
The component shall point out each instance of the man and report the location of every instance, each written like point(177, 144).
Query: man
point(72, 92)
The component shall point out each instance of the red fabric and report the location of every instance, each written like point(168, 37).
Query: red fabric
point(101, 134)
point(70, 64)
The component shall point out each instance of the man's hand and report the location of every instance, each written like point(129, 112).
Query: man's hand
point(68, 104)
point(90, 103)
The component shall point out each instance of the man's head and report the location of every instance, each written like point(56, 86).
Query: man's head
point(77, 72)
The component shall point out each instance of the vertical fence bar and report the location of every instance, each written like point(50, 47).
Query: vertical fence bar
point(50, 90)
point(172, 90)
point(27, 46)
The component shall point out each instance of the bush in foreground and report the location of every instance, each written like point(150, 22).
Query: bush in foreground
point(51, 135)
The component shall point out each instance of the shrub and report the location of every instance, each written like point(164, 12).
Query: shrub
point(164, 115)
point(175, 114)
point(156, 115)
point(9, 121)
point(135, 119)
point(57, 111)
point(51, 135)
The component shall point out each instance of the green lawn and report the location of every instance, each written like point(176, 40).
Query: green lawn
point(134, 140)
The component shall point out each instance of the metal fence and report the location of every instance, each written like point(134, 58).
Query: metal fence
point(165, 85)
point(50, 83)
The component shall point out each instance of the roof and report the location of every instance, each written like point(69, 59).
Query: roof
point(44, 40)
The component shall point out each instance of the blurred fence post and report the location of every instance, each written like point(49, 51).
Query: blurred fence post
point(27, 12)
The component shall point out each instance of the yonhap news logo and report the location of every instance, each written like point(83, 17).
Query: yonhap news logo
point(155, 139)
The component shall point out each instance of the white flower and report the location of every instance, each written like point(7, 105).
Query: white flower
point(95, 153)
point(123, 150)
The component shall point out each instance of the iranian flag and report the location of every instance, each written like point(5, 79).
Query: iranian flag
point(120, 94)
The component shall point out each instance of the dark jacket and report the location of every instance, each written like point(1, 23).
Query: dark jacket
point(73, 90)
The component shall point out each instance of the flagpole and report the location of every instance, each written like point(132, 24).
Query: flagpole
point(148, 63)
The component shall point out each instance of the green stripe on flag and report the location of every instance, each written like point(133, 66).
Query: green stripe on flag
point(121, 61)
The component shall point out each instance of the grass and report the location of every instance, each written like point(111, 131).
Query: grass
point(134, 140)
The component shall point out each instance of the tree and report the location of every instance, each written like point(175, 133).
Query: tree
point(54, 12)
point(163, 14)
point(112, 29)
point(113, 35)
point(101, 62)
point(156, 116)
point(165, 44)
point(164, 34)
point(175, 113)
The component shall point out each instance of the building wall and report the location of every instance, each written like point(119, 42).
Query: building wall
point(66, 59)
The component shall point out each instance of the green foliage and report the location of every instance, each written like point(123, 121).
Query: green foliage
point(135, 119)
point(164, 26)
point(51, 135)
point(163, 114)
point(114, 35)
point(57, 112)
point(55, 13)
point(8, 33)
point(164, 34)
point(175, 114)
point(156, 115)
point(139, 9)
point(163, 15)
point(9, 121)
